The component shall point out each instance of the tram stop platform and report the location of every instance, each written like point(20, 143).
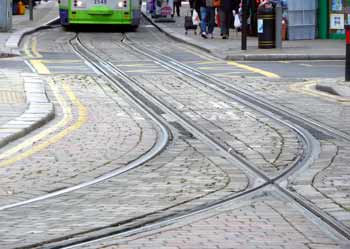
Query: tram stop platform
point(23, 102)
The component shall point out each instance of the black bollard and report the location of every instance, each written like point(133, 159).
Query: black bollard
point(347, 59)
point(244, 25)
point(31, 6)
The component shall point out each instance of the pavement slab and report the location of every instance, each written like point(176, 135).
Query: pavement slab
point(230, 49)
point(18, 95)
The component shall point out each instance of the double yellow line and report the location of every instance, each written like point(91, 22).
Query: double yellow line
point(33, 144)
point(11, 156)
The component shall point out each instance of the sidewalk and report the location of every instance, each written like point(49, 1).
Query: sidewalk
point(23, 102)
point(230, 49)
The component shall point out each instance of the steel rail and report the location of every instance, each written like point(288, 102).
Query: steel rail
point(121, 81)
point(278, 113)
point(155, 150)
point(117, 76)
point(309, 141)
point(283, 112)
point(311, 145)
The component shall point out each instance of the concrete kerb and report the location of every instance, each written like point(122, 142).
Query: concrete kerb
point(244, 57)
point(282, 57)
point(15, 39)
point(40, 110)
point(335, 88)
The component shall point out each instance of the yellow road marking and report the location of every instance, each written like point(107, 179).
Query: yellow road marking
point(237, 76)
point(206, 62)
point(57, 137)
point(67, 117)
point(198, 53)
point(309, 88)
point(40, 67)
point(225, 68)
point(26, 49)
point(60, 61)
point(35, 48)
point(235, 73)
point(253, 69)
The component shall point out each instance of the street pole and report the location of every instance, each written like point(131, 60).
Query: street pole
point(323, 19)
point(278, 24)
point(347, 61)
point(31, 10)
point(5, 15)
point(244, 25)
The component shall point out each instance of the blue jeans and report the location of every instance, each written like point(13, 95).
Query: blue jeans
point(203, 11)
point(211, 19)
point(226, 18)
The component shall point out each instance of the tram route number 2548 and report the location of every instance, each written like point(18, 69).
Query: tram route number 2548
point(100, 1)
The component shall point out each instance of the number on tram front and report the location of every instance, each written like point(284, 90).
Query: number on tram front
point(100, 1)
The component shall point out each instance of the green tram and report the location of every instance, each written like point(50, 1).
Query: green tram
point(117, 12)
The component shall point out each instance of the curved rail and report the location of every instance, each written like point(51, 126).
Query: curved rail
point(311, 150)
point(142, 159)
point(299, 124)
point(153, 104)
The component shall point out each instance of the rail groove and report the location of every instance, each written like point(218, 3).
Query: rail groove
point(273, 111)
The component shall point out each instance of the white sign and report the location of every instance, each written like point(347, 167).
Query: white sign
point(260, 26)
point(337, 21)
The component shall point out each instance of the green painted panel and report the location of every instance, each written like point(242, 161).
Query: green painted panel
point(100, 17)
point(337, 36)
point(323, 19)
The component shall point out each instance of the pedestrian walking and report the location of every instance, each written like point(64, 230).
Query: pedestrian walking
point(226, 17)
point(176, 6)
point(202, 7)
point(210, 8)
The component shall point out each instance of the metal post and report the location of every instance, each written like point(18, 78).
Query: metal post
point(278, 10)
point(5, 15)
point(347, 62)
point(323, 19)
point(244, 25)
point(31, 10)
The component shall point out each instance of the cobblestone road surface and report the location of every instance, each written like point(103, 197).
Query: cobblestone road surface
point(264, 223)
point(101, 131)
point(262, 141)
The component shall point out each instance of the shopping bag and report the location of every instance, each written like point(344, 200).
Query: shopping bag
point(195, 18)
point(237, 22)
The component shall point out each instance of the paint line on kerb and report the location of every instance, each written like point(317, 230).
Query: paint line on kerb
point(67, 118)
point(254, 69)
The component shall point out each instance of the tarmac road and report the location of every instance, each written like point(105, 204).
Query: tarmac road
point(302, 69)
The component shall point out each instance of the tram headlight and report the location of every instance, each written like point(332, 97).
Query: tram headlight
point(121, 4)
point(80, 4)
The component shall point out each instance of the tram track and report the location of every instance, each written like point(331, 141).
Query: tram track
point(117, 76)
point(155, 106)
point(304, 127)
point(156, 149)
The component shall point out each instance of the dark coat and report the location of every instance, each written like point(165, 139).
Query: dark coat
point(198, 4)
point(228, 5)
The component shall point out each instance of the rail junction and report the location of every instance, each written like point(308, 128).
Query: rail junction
point(156, 144)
